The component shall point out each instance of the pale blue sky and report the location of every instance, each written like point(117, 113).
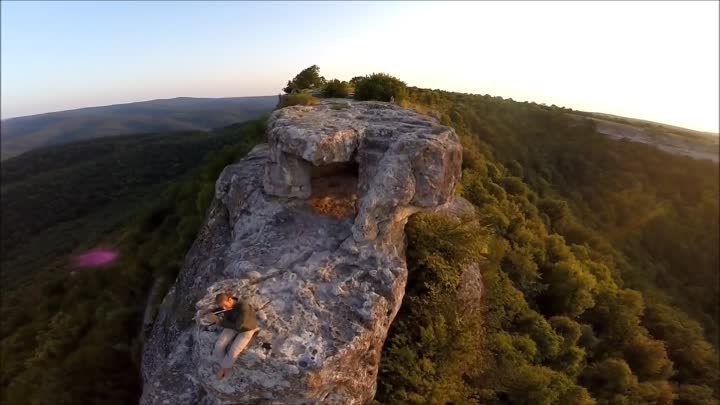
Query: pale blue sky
point(657, 61)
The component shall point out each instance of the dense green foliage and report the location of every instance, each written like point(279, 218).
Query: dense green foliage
point(170, 115)
point(377, 86)
point(336, 88)
point(298, 99)
point(355, 80)
point(601, 271)
point(307, 79)
point(55, 198)
point(71, 337)
point(382, 87)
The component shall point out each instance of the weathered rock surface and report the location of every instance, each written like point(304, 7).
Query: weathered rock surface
point(326, 282)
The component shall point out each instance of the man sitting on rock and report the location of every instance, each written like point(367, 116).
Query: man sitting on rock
point(238, 320)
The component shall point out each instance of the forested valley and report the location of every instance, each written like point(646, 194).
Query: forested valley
point(599, 261)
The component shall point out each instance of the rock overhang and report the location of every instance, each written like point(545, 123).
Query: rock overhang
point(387, 142)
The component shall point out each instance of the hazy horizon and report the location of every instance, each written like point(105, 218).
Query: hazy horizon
point(267, 95)
point(134, 102)
point(656, 61)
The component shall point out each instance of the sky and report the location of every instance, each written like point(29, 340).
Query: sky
point(651, 60)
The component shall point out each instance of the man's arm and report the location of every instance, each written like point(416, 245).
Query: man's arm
point(208, 317)
point(226, 324)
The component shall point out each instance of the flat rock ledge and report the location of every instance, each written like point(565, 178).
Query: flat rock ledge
point(308, 228)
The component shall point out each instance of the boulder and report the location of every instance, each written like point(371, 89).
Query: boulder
point(309, 229)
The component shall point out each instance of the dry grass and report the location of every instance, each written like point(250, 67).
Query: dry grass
point(334, 196)
point(299, 99)
point(335, 206)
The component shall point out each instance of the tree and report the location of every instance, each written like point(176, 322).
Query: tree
point(695, 360)
point(533, 385)
point(570, 288)
point(558, 211)
point(611, 380)
point(648, 359)
point(570, 360)
point(616, 316)
point(309, 78)
point(695, 395)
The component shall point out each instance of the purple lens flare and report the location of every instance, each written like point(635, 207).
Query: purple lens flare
point(100, 257)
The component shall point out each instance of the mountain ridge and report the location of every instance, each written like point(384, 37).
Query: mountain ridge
point(20, 134)
point(150, 101)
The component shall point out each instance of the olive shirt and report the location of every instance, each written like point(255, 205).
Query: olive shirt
point(240, 318)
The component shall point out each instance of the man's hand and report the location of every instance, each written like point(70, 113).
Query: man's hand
point(209, 319)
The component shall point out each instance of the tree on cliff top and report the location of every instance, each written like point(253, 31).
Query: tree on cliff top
point(309, 78)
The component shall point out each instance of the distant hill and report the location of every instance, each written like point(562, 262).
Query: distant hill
point(177, 114)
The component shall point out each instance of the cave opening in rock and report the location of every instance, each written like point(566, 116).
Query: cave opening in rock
point(334, 189)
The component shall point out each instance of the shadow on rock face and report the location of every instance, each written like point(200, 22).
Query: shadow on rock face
point(334, 192)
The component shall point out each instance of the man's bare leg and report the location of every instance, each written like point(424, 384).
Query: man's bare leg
point(241, 341)
point(222, 373)
point(223, 341)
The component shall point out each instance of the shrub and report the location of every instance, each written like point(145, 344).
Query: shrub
point(433, 346)
point(298, 99)
point(336, 88)
point(380, 86)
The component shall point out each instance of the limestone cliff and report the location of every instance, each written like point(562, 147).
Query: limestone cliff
point(310, 230)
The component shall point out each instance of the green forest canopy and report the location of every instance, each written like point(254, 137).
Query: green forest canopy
point(601, 281)
point(599, 261)
point(75, 338)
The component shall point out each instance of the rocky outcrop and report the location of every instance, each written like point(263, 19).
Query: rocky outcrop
point(678, 141)
point(310, 230)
